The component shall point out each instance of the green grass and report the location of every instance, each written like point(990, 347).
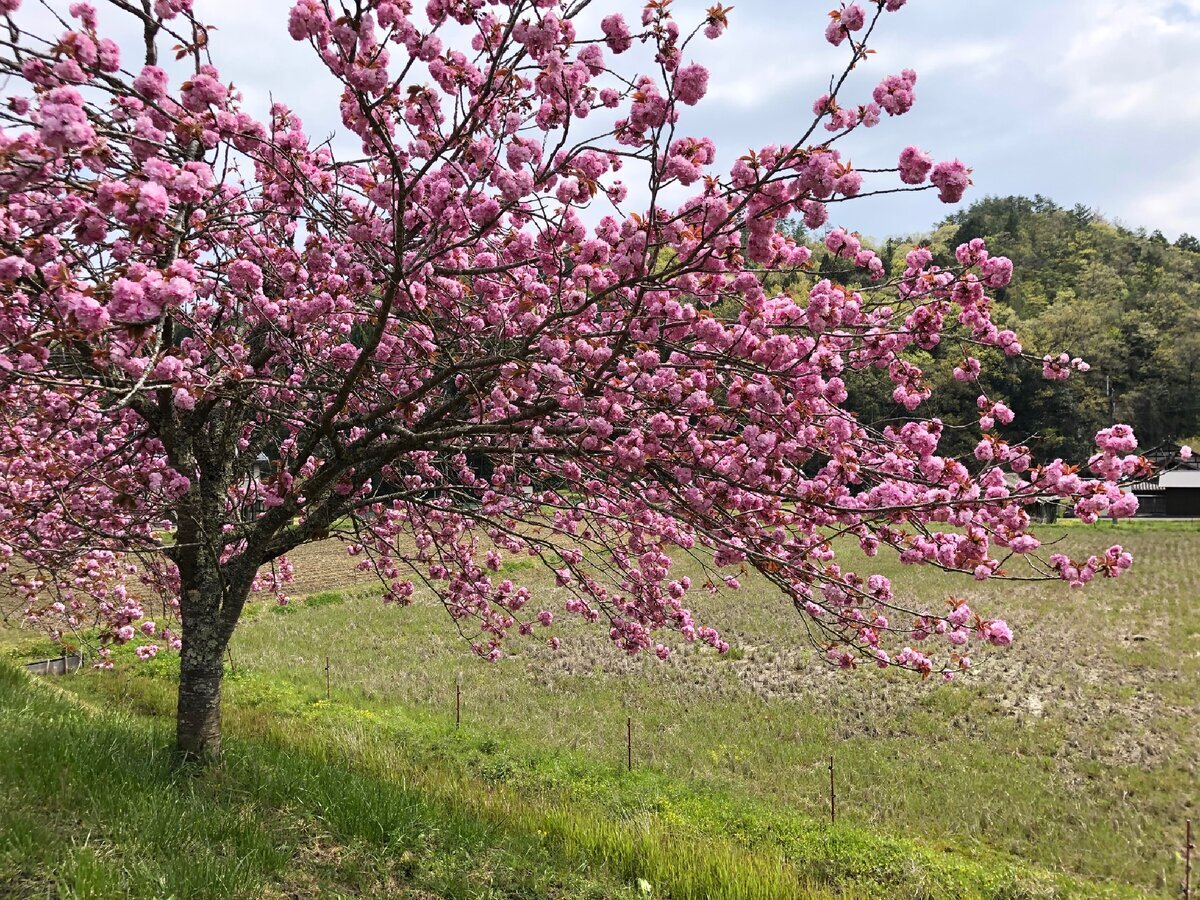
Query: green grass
point(1062, 767)
point(93, 806)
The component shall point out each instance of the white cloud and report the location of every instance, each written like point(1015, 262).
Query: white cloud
point(979, 58)
point(1133, 61)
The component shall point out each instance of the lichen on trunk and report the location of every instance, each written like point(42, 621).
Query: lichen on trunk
point(198, 716)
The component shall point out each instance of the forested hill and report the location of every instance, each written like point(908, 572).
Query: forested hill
point(1126, 301)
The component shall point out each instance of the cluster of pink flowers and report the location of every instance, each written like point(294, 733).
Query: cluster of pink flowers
point(461, 341)
point(952, 179)
point(897, 93)
point(1058, 367)
point(843, 22)
point(1112, 563)
point(616, 33)
point(65, 125)
point(691, 84)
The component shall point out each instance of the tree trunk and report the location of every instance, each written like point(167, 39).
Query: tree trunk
point(211, 600)
point(213, 585)
point(198, 715)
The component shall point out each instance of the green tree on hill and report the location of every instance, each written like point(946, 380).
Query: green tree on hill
point(1126, 301)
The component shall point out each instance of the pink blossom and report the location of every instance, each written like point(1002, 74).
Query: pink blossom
point(108, 56)
point(152, 202)
point(14, 267)
point(245, 276)
point(169, 9)
point(1116, 439)
point(853, 17)
point(85, 13)
point(996, 271)
point(344, 355)
point(997, 632)
point(691, 83)
point(951, 179)
point(815, 214)
point(914, 165)
point(850, 184)
point(131, 305)
point(65, 125)
point(967, 370)
point(307, 19)
point(717, 22)
point(89, 314)
point(204, 89)
point(616, 33)
point(896, 94)
point(151, 83)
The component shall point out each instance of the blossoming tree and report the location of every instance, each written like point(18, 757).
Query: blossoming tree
point(470, 339)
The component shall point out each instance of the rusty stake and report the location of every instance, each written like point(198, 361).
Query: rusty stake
point(832, 796)
point(628, 743)
point(1188, 847)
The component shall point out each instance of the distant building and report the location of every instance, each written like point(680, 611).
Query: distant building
point(1175, 492)
point(1152, 498)
point(1181, 490)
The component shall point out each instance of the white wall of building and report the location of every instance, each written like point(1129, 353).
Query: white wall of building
point(1180, 478)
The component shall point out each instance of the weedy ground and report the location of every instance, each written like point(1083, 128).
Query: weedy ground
point(1063, 767)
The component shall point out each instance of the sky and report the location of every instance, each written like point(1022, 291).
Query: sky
point(1093, 102)
point(1085, 101)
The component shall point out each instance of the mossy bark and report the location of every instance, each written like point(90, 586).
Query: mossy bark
point(198, 714)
